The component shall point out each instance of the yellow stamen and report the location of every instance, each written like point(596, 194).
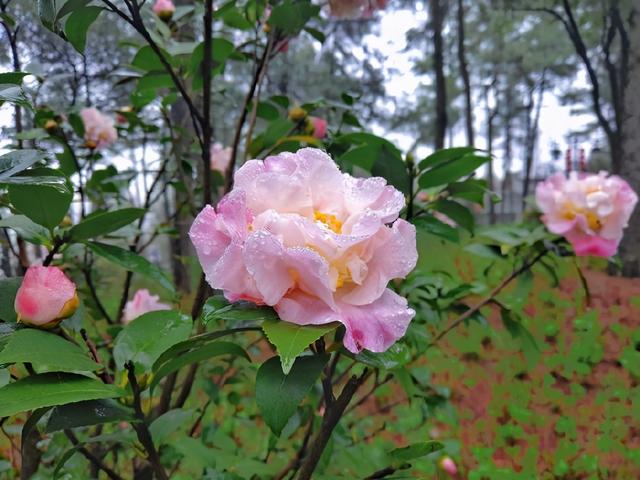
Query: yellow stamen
point(331, 221)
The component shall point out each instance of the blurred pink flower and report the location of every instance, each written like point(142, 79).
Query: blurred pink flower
point(589, 210)
point(448, 465)
point(46, 297)
point(444, 219)
point(319, 127)
point(318, 245)
point(99, 131)
point(143, 302)
point(164, 9)
point(220, 157)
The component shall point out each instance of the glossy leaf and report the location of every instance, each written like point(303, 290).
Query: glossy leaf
point(104, 222)
point(414, 451)
point(396, 356)
point(451, 171)
point(46, 205)
point(194, 356)
point(145, 338)
point(218, 308)
point(27, 229)
point(132, 261)
point(89, 412)
point(49, 389)
point(46, 351)
point(432, 225)
point(8, 289)
point(17, 161)
point(445, 155)
point(278, 395)
point(456, 212)
point(291, 340)
point(77, 25)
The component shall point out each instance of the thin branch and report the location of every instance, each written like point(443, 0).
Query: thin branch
point(91, 457)
point(329, 421)
point(243, 114)
point(489, 298)
point(140, 426)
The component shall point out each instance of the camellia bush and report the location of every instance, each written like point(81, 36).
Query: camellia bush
point(317, 286)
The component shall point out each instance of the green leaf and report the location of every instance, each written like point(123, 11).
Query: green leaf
point(77, 25)
point(146, 59)
point(194, 343)
point(317, 34)
point(278, 395)
point(445, 155)
point(473, 190)
point(456, 212)
point(291, 340)
point(8, 289)
point(363, 156)
point(234, 18)
point(166, 424)
point(432, 225)
point(451, 171)
point(133, 262)
point(145, 338)
point(46, 351)
point(49, 389)
point(46, 205)
point(414, 451)
point(14, 78)
point(218, 308)
point(17, 161)
point(194, 356)
point(27, 229)
point(102, 223)
point(70, 6)
point(396, 356)
point(291, 17)
point(267, 110)
point(14, 94)
point(89, 412)
point(517, 330)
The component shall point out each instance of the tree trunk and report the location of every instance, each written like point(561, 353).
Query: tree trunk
point(630, 165)
point(437, 17)
point(464, 73)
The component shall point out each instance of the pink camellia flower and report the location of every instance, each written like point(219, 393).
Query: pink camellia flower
point(589, 210)
point(319, 127)
point(164, 9)
point(99, 131)
point(317, 245)
point(45, 298)
point(448, 465)
point(143, 302)
point(220, 157)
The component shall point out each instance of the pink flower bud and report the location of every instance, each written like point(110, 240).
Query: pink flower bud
point(99, 131)
point(143, 302)
point(45, 298)
point(220, 157)
point(164, 9)
point(448, 465)
point(319, 127)
point(591, 211)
